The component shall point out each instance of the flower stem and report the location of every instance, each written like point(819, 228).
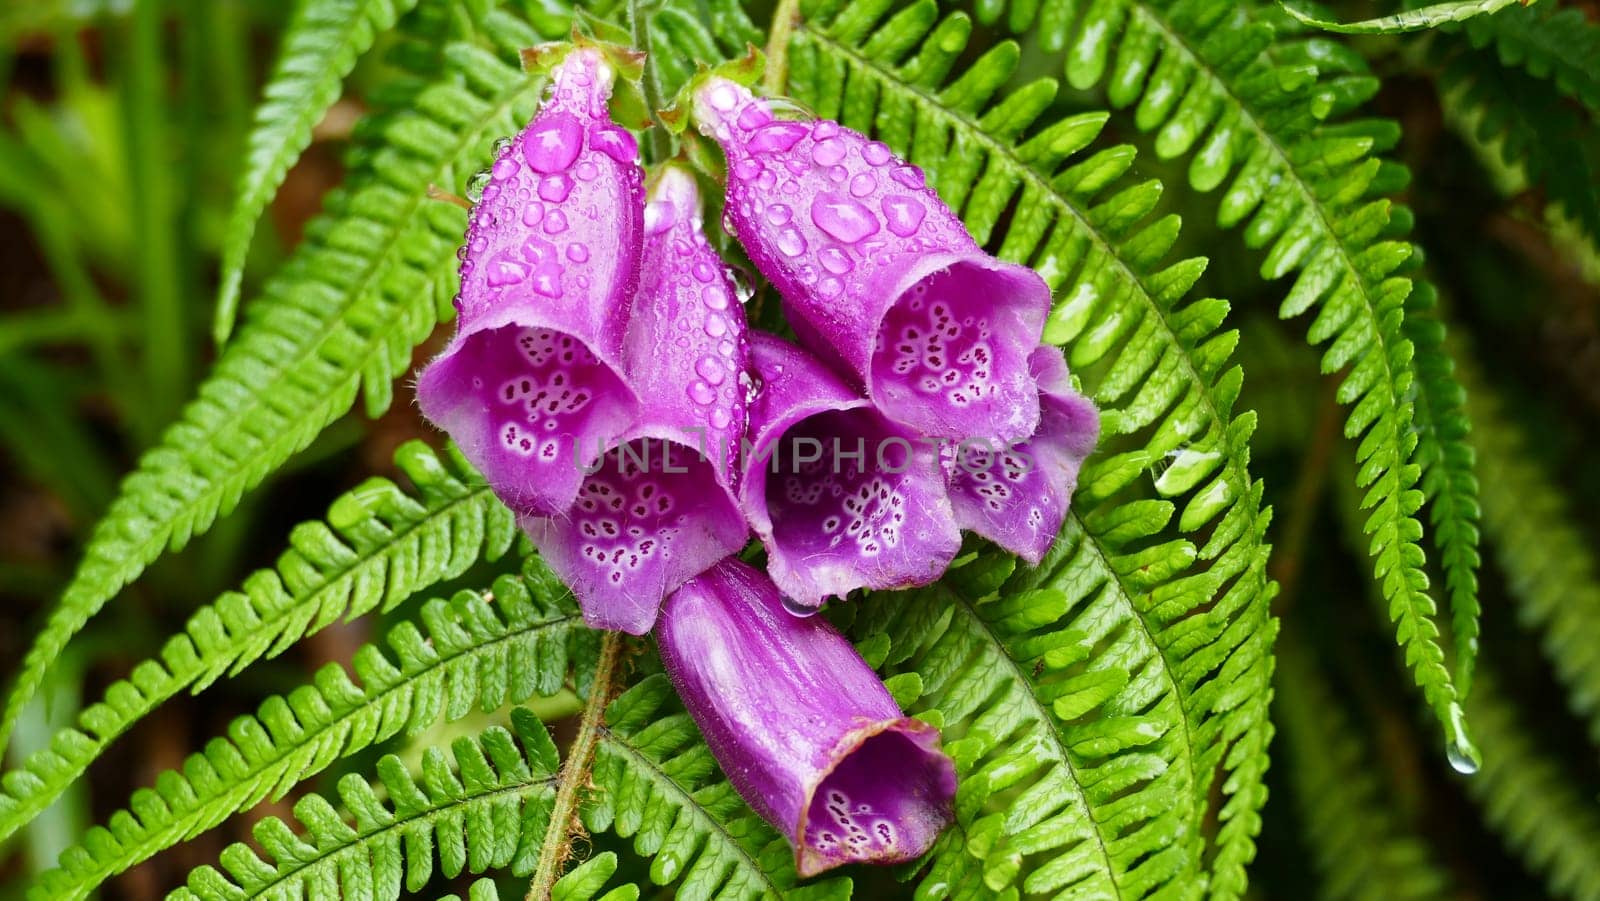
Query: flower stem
point(575, 772)
point(639, 30)
point(784, 20)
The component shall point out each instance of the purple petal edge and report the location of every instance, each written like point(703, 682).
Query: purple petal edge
point(878, 276)
point(802, 726)
point(1018, 497)
point(870, 511)
point(531, 387)
point(661, 507)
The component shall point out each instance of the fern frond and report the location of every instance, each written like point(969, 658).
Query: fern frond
point(1411, 20)
point(1449, 479)
point(1549, 563)
point(1362, 845)
point(1531, 800)
point(475, 652)
point(341, 317)
point(321, 44)
point(379, 546)
point(483, 813)
point(657, 784)
point(1553, 42)
point(583, 883)
point(1171, 580)
point(1213, 83)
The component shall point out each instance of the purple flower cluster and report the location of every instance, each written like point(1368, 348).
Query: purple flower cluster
point(604, 380)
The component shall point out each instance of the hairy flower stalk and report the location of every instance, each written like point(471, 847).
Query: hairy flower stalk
point(841, 497)
point(878, 276)
point(802, 726)
point(531, 388)
point(1017, 496)
point(660, 508)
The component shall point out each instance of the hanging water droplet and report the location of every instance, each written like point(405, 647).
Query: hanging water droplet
point(843, 217)
point(476, 184)
point(798, 609)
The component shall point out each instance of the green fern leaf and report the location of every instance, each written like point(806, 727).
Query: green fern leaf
point(483, 813)
point(1363, 846)
point(379, 546)
point(321, 44)
point(1548, 561)
point(1410, 20)
point(657, 784)
point(1214, 84)
point(468, 655)
point(1146, 566)
point(1549, 42)
point(583, 883)
point(370, 281)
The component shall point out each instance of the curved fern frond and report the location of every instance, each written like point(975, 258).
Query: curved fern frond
point(474, 652)
point(1559, 43)
point(1362, 845)
point(341, 317)
point(1549, 563)
point(483, 813)
point(657, 784)
point(1211, 82)
point(1531, 800)
point(1172, 569)
point(321, 44)
point(1410, 20)
point(380, 545)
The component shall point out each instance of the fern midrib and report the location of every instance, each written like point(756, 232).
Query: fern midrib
point(127, 567)
point(37, 803)
point(427, 815)
point(621, 745)
point(180, 826)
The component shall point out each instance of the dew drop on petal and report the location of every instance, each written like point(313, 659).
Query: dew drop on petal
point(754, 115)
point(577, 253)
point(863, 184)
point(709, 369)
point(910, 176)
point(776, 137)
point(747, 169)
point(715, 296)
point(532, 213)
point(778, 214)
point(503, 270)
point(703, 271)
point(720, 418)
point(658, 216)
point(876, 153)
point(586, 171)
point(547, 280)
point(904, 214)
point(555, 188)
point(830, 287)
point(828, 152)
point(824, 129)
point(701, 393)
point(555, 223)
point(716, 327)
point(845, 218)
point(791, 243)
point(617, 143)
point(504, 168)
point(552, 145)
point(837, 261)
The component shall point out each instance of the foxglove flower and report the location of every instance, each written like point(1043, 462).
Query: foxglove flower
point(841, 497)
point(878, 276)
point(1017, 496)
point(802, 726)
point(532, 384)
point(660, 507)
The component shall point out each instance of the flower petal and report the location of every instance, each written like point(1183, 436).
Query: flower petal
point(531, 387)
point(841, 497)
point(878, 276)
point(1017, 497)
point(661, 508)
point(802, 726)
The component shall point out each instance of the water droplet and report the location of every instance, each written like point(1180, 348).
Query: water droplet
point(552, 145)
point(844, 218)
point(754, 115)
point(490, 192)
point(725, 347)
point(532, 213)
point(555, 223)
point(715, 296)
point(658, 216)
point(703, 271)
point(617, 143)
point(505, 271)
point(586, 171)
point(715, 326)
point(475, 185)
point(578, 253)
point(830, 287)
point(876, 153)
point(828, 152)
point(836, 261)
point(766, 180)
point(904, 214)
point(547, 280)
point(710, 369)
point(720, 418)
point(778, 214)
point(747, 169)
point(863, 184)
point(910, 176)
point(701, 393)
point(504, 168)
point(1463, 756)
point(776, 137)
point(824, 129)
point(791, 242)
point(555, 188)
point(798, 609)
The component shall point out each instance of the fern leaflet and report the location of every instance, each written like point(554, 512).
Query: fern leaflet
point(1410, 20)
point(1549, 41)
point(583, 883)
point(379, 547)
point(468, 655)
point(321, 44)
